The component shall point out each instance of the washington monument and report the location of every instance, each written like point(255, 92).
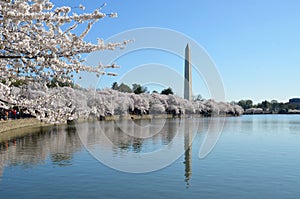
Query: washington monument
point(187, 74)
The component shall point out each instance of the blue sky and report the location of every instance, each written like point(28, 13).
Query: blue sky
point(255, 45)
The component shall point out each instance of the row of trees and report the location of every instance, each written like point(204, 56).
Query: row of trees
point(272, 106)
point(43, 46)
point(138, 89)
point(58, 104)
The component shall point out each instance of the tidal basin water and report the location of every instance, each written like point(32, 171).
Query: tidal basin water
point(256, 156)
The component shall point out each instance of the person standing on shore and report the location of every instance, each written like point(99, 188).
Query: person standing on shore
point(6, 114)
point(14, 112)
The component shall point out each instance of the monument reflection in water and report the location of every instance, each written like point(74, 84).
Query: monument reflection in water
point(140, 146)
point(255, 155)
point(59, 144)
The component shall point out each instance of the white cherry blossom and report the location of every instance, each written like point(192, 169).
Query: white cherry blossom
point(36, 36)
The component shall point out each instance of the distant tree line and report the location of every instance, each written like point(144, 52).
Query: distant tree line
point(272, 106)
point(138, 89)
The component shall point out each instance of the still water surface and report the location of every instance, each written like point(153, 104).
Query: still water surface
point(255, 157)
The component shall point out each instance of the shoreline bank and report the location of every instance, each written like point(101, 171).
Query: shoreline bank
point(9, 125)
point(11, 129)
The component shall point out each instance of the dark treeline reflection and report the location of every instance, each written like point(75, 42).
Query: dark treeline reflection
point(141, 136)
point(144, 136)
point(58, 144)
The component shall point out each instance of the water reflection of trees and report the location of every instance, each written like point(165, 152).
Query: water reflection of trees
point(58, 143)
point(62, 159)
point(128, 135)
point(123, 137)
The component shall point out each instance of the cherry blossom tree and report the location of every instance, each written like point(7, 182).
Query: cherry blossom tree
point(38, 44)
point(56, 105)
point(38, 40)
